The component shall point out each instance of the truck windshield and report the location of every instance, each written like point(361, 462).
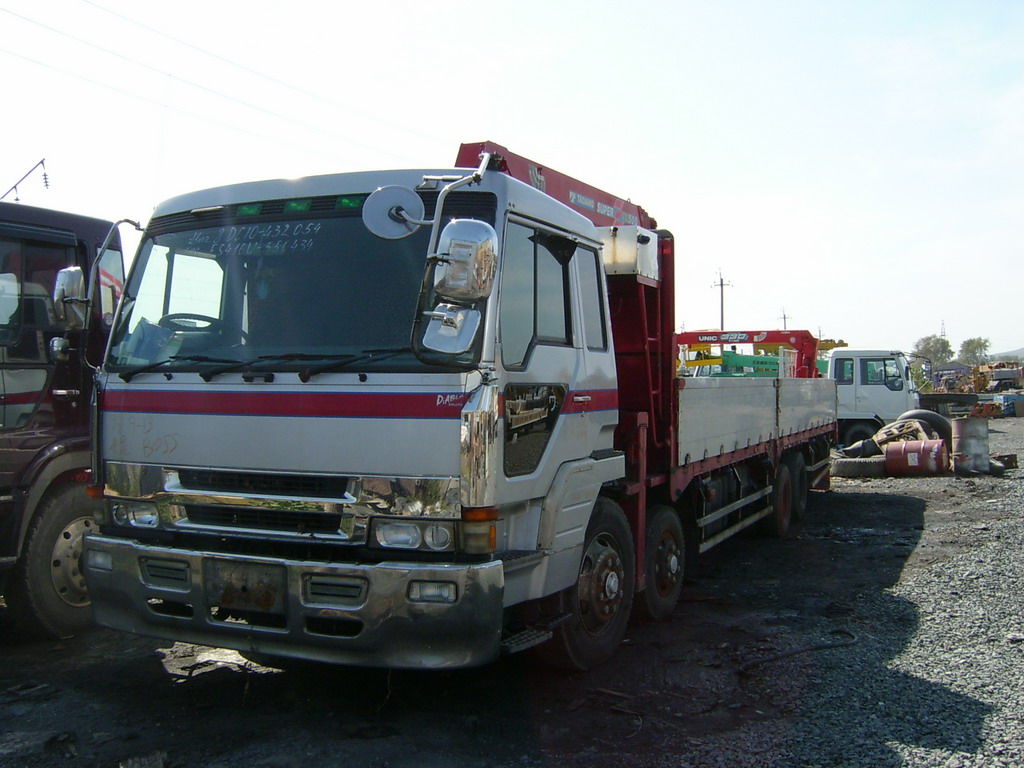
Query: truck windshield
point(276, 291)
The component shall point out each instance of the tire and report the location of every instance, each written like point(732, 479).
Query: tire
point(600, 602)
point(665, 563)
point(798, 472)
point(778, 523)
point(936, 421)
point(872, 467)
point(859, 430)
point(46, 591)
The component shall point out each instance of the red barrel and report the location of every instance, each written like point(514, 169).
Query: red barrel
point(916, 457)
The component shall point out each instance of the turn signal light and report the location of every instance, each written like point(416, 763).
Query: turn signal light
point(478, 531)
point(479, 514)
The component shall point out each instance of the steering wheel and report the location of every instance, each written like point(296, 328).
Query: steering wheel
point(171, 322)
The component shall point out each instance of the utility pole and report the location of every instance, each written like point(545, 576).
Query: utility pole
point(14, 187)
point(784, 318)
point(721, 285)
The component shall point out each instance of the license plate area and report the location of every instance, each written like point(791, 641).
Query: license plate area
point(234, 588)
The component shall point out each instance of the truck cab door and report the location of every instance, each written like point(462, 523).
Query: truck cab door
point(28, 270)
point(846, 388)
point(551, 391)
point(881, 387)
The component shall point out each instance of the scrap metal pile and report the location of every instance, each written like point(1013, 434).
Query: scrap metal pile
point(919, 443)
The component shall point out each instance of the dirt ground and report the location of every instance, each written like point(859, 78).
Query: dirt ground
point(754, 634)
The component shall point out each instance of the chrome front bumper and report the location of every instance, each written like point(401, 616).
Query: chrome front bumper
point(382, 615)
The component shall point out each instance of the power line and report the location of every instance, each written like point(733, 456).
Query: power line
point(263, 75)
point(14, 187)
point(193, 84)
point(140, 97)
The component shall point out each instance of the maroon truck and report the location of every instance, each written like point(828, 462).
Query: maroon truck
point(45, 389)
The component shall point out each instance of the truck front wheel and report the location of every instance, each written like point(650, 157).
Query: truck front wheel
point(600, 602)
point(46, 591)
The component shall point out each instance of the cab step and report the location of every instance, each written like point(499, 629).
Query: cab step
point(514, 642)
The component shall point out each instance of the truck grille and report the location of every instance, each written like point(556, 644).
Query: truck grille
point(302, 486)
point(286, 521)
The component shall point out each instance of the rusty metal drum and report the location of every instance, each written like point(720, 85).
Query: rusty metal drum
point(916, 457)
point(970, 444)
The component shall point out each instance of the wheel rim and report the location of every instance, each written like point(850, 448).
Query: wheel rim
point(668, 568)
point(602, 576)
point(65, 568)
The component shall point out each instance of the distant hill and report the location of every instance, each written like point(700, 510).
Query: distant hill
point(1016, 354)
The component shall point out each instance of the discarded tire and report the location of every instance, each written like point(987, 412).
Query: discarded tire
point(870, 467)
point(938, 422)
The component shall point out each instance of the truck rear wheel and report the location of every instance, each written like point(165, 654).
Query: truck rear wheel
point(600, 602)
point(46, 591)
point(777, 524)
point(665, 562)
point(798, 472)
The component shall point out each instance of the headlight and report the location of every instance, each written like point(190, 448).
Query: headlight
point(434, 535)
point(139, 514)
point(398, 535)
point(437, 537)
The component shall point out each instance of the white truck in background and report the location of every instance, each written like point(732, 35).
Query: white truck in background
point(874, 387)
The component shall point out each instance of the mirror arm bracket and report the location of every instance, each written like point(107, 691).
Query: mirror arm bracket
point(397, 213)
point(473, 178)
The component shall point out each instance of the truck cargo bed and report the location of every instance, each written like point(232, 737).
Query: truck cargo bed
point(717, 416)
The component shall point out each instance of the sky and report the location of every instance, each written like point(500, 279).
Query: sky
point(852, 168)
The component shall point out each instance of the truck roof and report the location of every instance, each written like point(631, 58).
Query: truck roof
point(506, 188)
point(86, 228)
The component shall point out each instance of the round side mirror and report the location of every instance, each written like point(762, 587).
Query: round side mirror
point(393, 212)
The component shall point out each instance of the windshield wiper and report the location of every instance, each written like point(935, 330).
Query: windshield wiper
point(241, 365)
point(344, 361)
point(133, 372)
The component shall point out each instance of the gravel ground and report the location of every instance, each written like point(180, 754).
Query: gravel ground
point(887, 631)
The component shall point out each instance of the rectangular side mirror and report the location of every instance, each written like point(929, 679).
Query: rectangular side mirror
point(70, 305)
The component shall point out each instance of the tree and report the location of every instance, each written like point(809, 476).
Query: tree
point(933, 348)
point(973, 351)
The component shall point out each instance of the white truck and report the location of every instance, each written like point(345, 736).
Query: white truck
point(420, 418)
point(874, 388)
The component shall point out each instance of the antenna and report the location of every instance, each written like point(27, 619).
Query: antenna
point(14, 187)
point(784, 317)
point(721, 285)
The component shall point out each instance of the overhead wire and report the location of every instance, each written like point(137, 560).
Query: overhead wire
point(190, 83)
point(319, 97)
point(149, 99)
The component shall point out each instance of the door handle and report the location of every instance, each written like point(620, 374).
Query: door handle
point(66, 394)
point(581, 398)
